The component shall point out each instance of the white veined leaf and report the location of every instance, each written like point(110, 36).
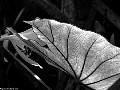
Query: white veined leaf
point(90, 54)
point(87, 51)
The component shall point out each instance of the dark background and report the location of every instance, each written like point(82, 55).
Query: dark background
point(76, 12)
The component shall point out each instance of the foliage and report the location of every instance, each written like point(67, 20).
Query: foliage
point(88, 57)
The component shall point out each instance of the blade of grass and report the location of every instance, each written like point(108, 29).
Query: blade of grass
point(18, 16)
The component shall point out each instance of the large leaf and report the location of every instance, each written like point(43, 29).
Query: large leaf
point(87, 56)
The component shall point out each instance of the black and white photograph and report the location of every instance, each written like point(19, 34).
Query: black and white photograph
point(59, 45)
